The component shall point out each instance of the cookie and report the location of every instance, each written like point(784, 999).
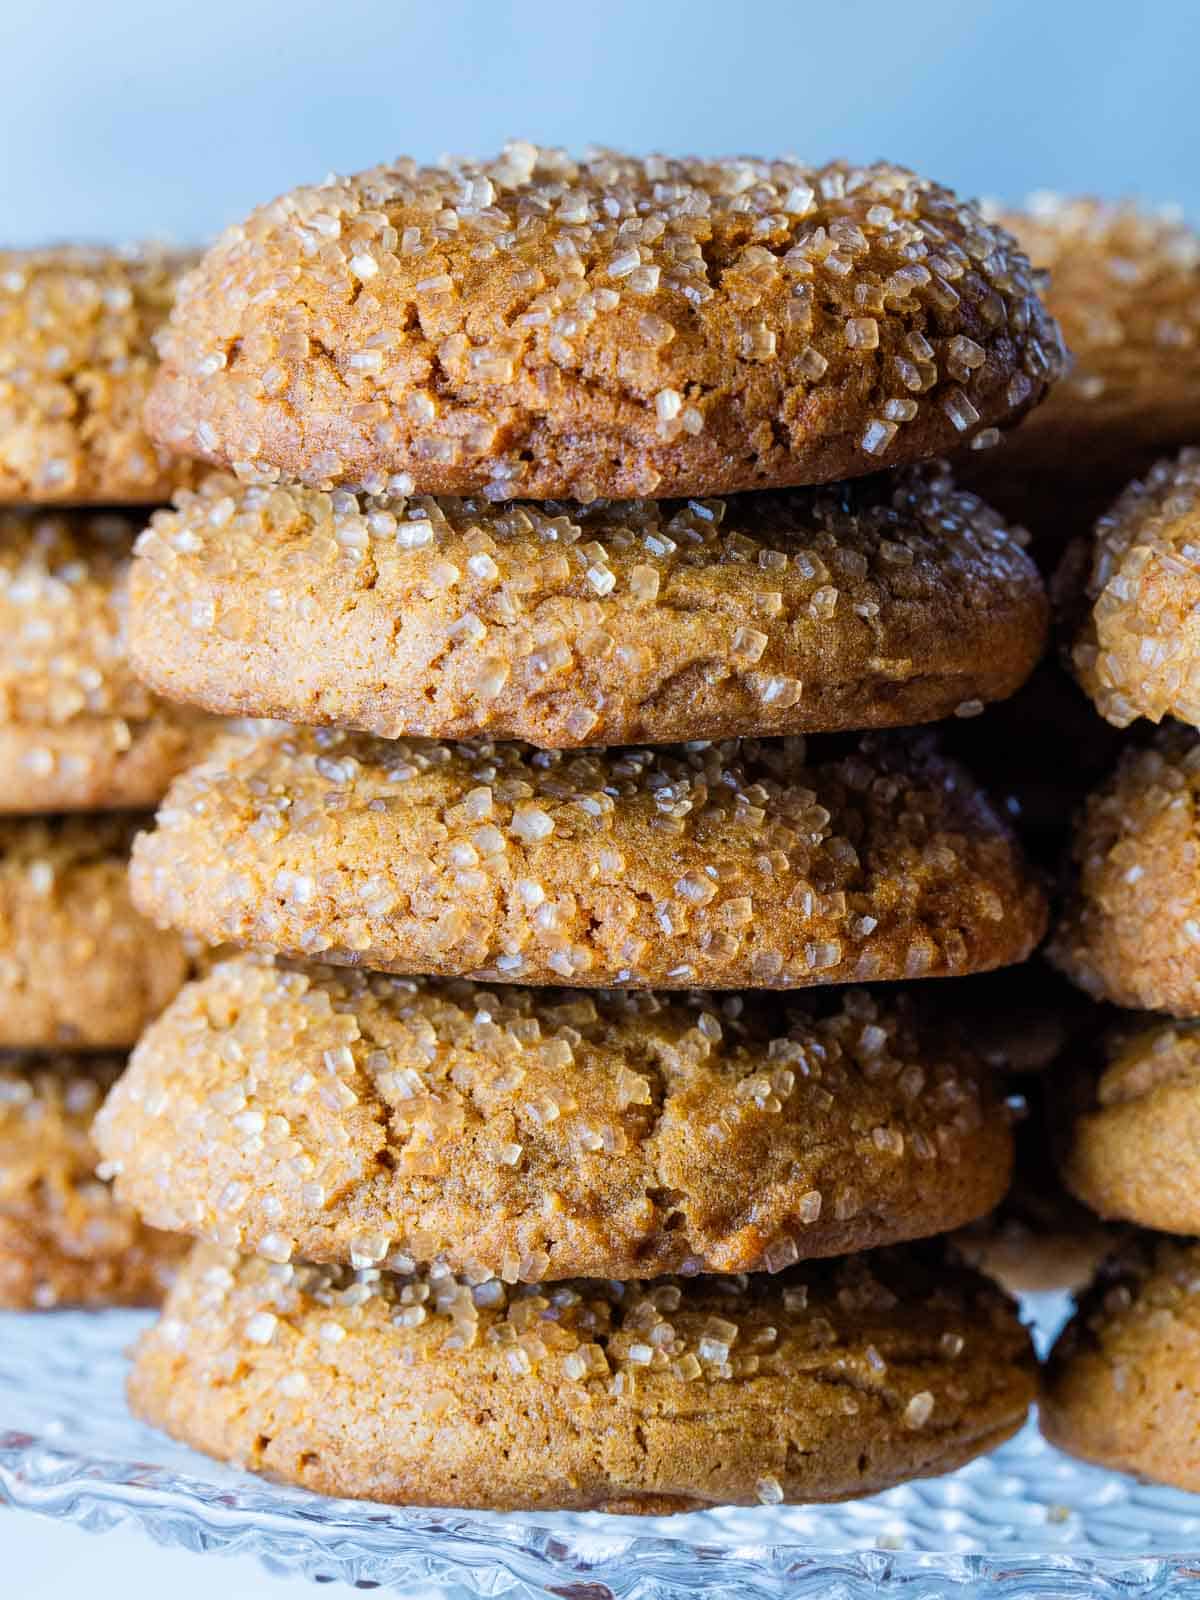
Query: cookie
point(716, 866)
point(77, 327)
point(1130, 930)
point(1131, 1127)
point(543, 1134)
point(1125, 286)
point(1122, 1388)
point(78, 730)
point(830, 1382)
point(79, 968)
point(1138, 651)
point(64, 1238)
point(889, 602)
point(547, 328)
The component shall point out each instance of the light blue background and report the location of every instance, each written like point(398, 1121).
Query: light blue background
point(118, 119)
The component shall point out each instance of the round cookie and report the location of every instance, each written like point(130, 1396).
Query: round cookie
point(77, 329)
point(1130, 930)
point(885, 603)
point(1130, 1132)
point(64, 1238)
point(78, 730)
point(547, 328)
point(544, 1134)
point(79, 968)
point(833, 1381)
point(1125, 286)
point(713, 866)
point(1122, 1387)
point(1137, 653)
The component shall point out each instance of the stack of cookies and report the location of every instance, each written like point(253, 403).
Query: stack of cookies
point(85, 748)
point(1123, 1113)
point(523, 1174)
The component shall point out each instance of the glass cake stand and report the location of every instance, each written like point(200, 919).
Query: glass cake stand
point(1025, 1521)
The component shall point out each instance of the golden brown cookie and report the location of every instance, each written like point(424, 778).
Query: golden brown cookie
point(64, 1238)
point(1138, 651)
point(546, 1133)
point(79, 968)
point(1122, 1388)
point(890, 602)
point(1131, 1134)
point(77, 327)
point(833, 1381)
point(1130, 930)
point(78, 730)
point(539, 327)
point(1125, 286)
point(717, 866)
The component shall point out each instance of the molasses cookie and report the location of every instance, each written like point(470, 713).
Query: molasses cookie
point(64, 1238)
point(77, 329)
point(1130, 1131)
point(889, 602)
point(78, 730)
point(542, 1134)
point(833, 1381)
point(715, 866)
point(1125, 285)
point(1130, 931)
point(1138, 651)
point(1122, 1388)
point(539, 327)
point(79, 968)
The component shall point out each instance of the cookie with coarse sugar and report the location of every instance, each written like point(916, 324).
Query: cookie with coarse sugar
point(1137, 653)
point(888, 602)
point(833, 1381)
point(1122, 1385)
point(1129, 1125)
point(64, 1237)
point(548, 1133)
point(1124, 283)
point(1130, 928)
point(78, 730)
point(740, 864)
point(77, 328)
point(80, 969)
point(538, 326)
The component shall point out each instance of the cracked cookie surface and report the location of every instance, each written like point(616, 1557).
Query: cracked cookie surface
point(543, 327)
point(542, 1134)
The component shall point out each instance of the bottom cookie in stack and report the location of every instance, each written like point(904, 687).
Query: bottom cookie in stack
point(64, 1237)
point(481, 1166)
point(833, 1380)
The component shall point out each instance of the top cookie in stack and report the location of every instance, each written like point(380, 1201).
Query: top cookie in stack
point(473, 423)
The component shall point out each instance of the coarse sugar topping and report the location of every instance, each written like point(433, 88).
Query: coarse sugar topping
point(506, 325)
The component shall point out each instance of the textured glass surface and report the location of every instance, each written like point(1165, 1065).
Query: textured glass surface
point(1025, 1521)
